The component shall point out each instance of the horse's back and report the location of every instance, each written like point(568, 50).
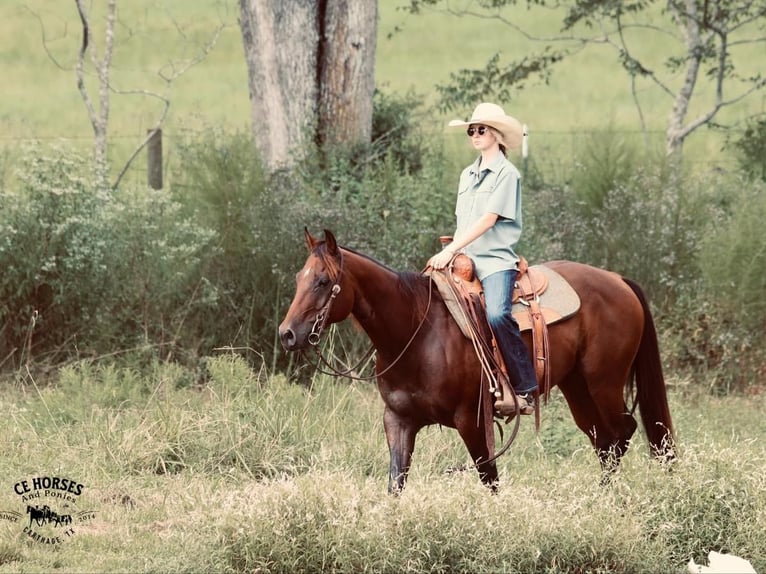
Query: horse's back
point(609, 325)
point(596, 286)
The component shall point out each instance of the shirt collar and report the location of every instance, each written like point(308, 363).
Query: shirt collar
point(493, 166)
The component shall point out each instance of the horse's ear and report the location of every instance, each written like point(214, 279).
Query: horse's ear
point(332, 245)
point(310, 240)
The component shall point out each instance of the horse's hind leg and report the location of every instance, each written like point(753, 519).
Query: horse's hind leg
point(610, 435)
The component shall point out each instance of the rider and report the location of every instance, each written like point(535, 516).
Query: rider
point(488, 215)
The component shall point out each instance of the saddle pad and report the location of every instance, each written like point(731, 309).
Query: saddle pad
point(558, 302)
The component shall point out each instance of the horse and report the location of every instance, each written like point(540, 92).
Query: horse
point(428, 371)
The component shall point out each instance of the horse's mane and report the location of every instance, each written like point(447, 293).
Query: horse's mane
point(413, 286)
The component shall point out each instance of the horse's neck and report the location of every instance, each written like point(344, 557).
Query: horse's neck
point(379, 305)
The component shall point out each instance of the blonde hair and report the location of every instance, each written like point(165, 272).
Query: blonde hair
point(500, 142)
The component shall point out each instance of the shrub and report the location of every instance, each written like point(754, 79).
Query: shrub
point(646, 225)
point(384, 199)
point(751, 149)
point(89, 273)
point(258, 221)
point(733, 264)
point(51, 253)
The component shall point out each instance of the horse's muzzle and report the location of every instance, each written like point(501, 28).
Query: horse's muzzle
point(291, 340)
point(287, 337)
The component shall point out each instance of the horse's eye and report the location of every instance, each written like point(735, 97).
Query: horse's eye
point(323, 282)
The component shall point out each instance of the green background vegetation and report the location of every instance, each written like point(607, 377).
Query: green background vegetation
point(138, 343)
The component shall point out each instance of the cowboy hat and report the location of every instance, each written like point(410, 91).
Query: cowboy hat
point(492, 115)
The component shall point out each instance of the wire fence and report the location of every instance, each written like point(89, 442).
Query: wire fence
point(548, 149)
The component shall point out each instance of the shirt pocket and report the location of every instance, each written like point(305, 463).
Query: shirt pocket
point(489, 183)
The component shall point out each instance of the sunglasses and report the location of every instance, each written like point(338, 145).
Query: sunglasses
point(481, 130)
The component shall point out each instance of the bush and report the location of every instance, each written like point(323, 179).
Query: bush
point(383, 199)
point(392, 199)
point(691, 240)
point(223, 185)
point(733, 264)
point(646, 224)
point(89, 273)
point(751, 149)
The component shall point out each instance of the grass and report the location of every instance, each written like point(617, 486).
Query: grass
point(247, 472)
point(250, 473)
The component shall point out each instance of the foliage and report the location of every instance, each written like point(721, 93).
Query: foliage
point(387, 200)
point(751, 148)
point(625, 211)
point(692, 240)
point(735, 257)
point(210, 264)
point(395, 132)
point(469, 86)
point(729, 327)
point(223, 185)
point(87, 272)
point(371, 196)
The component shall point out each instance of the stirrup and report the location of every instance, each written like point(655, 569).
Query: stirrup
point(506, 405)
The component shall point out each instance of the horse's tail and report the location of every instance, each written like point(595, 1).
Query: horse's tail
point(650, 385)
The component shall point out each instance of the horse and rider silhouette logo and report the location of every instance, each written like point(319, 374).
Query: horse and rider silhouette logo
point(45, 515)
point(50, 503)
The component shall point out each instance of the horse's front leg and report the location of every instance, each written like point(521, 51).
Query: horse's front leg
point(400, 434)
point(475, 440)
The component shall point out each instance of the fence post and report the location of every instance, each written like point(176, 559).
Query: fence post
point(154, 159)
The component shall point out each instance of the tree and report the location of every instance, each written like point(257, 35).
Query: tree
point(706, 32)
point(98, 106)
point(311, 71)
point(100, 119)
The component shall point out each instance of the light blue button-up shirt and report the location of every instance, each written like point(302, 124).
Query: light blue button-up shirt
point(496, 189)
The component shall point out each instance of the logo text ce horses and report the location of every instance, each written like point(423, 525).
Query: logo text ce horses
point(50, 515)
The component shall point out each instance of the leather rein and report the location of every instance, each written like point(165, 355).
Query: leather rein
point(320, 323)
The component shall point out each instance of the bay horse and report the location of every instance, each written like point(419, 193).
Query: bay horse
point(428, 372)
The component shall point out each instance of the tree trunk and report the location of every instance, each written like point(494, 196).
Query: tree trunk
point(311, 73)
point(676, 131)
point(99, 119)
point(347, 66)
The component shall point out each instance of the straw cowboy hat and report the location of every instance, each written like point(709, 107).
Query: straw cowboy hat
point(492, 115)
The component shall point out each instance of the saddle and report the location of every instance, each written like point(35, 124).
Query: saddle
point(462, 293)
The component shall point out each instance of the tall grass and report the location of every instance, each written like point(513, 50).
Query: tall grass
point(246, 472)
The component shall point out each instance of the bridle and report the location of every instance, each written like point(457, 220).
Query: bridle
point(320, 322)
point(321, 319)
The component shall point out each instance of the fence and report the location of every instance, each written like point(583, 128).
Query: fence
point(552, 151)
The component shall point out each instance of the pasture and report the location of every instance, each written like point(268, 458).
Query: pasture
point(249, 473)
point(40, 101)
point(228, 466)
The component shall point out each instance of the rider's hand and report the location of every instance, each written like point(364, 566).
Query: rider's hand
point(441, 259)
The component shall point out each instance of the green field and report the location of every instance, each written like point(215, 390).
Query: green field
point(252, 474)
point(224, 465)
point(39, 99)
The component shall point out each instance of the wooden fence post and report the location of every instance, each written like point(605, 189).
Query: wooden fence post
point(154, 159)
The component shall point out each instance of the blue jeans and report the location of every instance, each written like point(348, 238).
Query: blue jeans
point(498, 290)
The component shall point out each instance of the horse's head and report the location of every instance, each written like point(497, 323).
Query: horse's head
point(321, 296)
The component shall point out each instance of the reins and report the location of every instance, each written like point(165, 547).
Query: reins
point(489, 367)
point(485, 355)
point(321, 322)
